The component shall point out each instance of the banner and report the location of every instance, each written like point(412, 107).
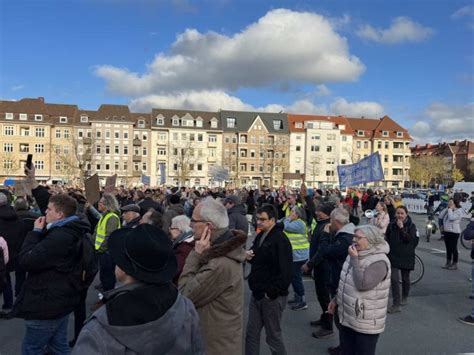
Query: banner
point(92, 189)
point(145, 180)
point(162, 173)
point(219, 173)
point(366, 170)
point(110, 183)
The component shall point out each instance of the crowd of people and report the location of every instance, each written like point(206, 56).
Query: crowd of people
point(170, 261)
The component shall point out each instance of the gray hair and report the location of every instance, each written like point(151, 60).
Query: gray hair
point(214, 212)
point(341, 215)
point(300, 212)
point(21, 204)
point(182, 223)
point(373, 234)
point(3, 199)
point(110, 202)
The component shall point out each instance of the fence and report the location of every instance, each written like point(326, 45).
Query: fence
point(416, 205)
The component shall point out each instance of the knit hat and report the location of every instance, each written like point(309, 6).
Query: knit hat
point(325, 208)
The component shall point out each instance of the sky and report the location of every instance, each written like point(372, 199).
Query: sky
point(411, 60)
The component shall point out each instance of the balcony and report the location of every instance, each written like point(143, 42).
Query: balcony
point(212, 144)
point(137, 158)
point(87, 140)
point(137, 173)
point(137, 142)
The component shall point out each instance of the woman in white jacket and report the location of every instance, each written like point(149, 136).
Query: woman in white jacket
point(451, 217)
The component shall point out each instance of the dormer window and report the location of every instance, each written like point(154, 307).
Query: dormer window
point(199, 122)
point(175, 121)
point(342, 127)
point(62, 119)
point(360, 133)
point(399, 134)
point(38, 117)
point(141, 124)
point(277, 124)
point(9, 116)
point(230, 122)
point(298, 125)
point(160, 120)
point(23, 116)
point(214, 123)
point(384, 133)
point(84, 119)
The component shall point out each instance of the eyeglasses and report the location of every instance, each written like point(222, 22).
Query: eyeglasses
point(172, 228)
point(198, 221)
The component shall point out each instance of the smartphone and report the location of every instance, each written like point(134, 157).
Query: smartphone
point(29, 161)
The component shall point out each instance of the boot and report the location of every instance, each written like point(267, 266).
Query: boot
point(404, 301)
point(295, 299)
point(453, 266)
point(447, 266)
point(323, 333)
point(394, 309)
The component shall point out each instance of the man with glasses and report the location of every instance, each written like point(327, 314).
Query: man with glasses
point(272, 264)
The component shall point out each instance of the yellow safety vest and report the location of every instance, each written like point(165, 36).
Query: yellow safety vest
point(299, 241)
point(102, 227)
point(287, 208)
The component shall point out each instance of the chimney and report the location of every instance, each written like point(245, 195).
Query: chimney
point(41, 99)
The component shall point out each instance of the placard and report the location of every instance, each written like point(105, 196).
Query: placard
point(92, 189)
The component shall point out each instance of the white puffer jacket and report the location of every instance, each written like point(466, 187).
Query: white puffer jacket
point(452, 219)
point(364, 311)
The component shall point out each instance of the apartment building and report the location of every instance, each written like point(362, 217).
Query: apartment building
point(255, 147)
point(390, 140)
point(185, 147)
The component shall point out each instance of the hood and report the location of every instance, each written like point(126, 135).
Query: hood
point(382, 248)
point(239, 209)
point(78, 226)
point(7, 213)
point(348, 228)
point(232, 248)
point(137, 337)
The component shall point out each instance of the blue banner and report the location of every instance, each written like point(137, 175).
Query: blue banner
point(145, 180)
point(162, 173)
point(366, 170)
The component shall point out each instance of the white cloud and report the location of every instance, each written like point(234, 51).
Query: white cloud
point(281, 47)
point(322, 90)
point(402, 29)
point(463, 12)
point(444, 123)
point(357, 108)
point(299, 106)
point(17, 87)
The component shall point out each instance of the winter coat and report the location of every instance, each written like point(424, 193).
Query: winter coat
point(364, 311)
point(11, 229)
point(47, 257)
point(144, 320)
point(182, 246)
point(402, 244)
point(214, 282)
point(452, 219)
point(468, 234)
point(238, 219)
point(171, 212)
point(272, 265)
point(381, 221)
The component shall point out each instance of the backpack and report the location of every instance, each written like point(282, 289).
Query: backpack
point(85, 263)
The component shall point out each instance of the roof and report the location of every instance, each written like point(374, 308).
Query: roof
point(113, 113)
point(244, 120)
point(146, 117)
point(168, 115)
point(337, 120)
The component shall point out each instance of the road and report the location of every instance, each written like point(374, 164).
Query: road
point(427, 325)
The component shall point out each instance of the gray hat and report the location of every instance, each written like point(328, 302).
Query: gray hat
point(131, 208)
point(232, 199)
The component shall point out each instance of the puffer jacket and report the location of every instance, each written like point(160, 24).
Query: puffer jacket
point(214, 282)
point(452, 219)
point(364, 311)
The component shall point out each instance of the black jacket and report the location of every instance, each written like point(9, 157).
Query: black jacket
point(402, 244)
point(47, 257)
point(316, 239)
point(238, 219)
point(11, 229)
point(272, 265)
point(27, 219)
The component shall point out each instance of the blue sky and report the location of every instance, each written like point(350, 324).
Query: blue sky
point(411, 60)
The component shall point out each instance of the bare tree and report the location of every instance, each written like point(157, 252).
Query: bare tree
point(8, 163)
point(229, 161)
point(184, 156)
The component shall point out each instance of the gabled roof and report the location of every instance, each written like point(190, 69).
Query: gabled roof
point(113, 113)
point(141, 117)
point(168, 115)
point(388, 125)
point(337, 120)
point(244, 120)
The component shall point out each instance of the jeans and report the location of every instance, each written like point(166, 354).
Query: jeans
point(451, 242)
point(265, 313)
point(8, 292)
point(107, 271)
point(43, 336)
point(355, 343)
point(297, 279)
point(395, 284)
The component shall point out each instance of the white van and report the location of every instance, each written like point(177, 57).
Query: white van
point(467, 187)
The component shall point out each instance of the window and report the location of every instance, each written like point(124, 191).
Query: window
point(144, 136)
point(66, 149)
point(84, 119)
point(125, 135)
point(125, 166)
point(175, 167)
point(191, 137)
point(57, 165)
point(145, 152)
point(7, 164)
point(125, 150)
point(358, 144)
point(360, 133)
point(24, 147)
point(141, 124)
point(116, 165)
point(198, 123)
point(24, 131)
point(98, 149)
point(80, 133)
point(66, 133)
point(144, 166)
point(38, 117)
point(8, 130)
point(161, 151)
point(234, 140)
point(331, 161)
point(9, 116)
point(344, 138)
point(160, 121)
point(329, 172)
point(62, 119)
point(136, 151)
point(230, 122)
point(175, 122)
point(97, 167)
point(329, 149)
point(366, 145)
point(315, 137)
point(117, 134)
point(57, 149)
point(116, 149)
point(379, 145)
point(315, 148)
point(343, 161)
point(58, 133)
point(213, 123)
point(298, 148)
point(8, 147)
point(23, 116)
point(298, 125)
point(39, 148)
point(39, 165)
point(331, 137)
point(107, 149)
point(161, 136)
point(277, 124)
point(98, 134)
point(399, 134)
point(384, 133)
point(200, 137)
point(39, 132)
point(199, 166)
point(386, 145)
